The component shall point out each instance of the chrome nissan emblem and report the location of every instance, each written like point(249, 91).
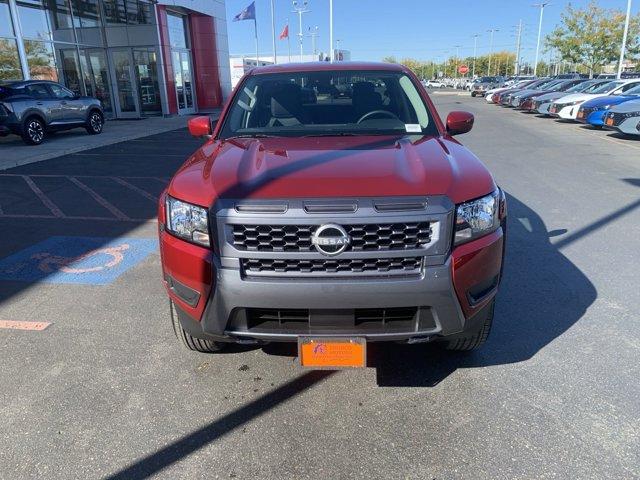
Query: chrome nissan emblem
point(330, 239)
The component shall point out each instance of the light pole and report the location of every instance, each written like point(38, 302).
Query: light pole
point(273, 35)
point(457, 47)
point(518, 44)
point(313, 33)
point(300, 9)
point(475, 54)
point(541, 6)
point(331, 31)
point(491, 31)
point(624, 38)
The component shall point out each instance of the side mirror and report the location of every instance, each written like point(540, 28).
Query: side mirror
point(459, 122)
point(200, 127)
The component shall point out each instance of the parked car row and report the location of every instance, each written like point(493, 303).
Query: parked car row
point(35, 108)
point(600, 102)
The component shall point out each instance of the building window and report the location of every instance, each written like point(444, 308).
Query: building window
point(9, 60)
point(132, 12)
point(46, 20)
point(86, 19)
point(41, 60)
point(177, 31)
point(6, 25)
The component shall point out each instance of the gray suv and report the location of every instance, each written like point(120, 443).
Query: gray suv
point(32, 108)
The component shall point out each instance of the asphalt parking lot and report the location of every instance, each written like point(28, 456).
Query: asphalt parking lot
point(98, 387)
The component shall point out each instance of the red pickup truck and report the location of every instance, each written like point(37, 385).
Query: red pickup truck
point(330, 206)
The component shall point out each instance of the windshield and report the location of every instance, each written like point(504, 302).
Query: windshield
point(633, 91)
point(605, 88)
point(582, 86)
point(327, 103)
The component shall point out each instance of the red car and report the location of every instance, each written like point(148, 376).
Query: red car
point(331, 206)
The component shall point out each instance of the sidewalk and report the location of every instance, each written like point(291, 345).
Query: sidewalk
point(13, 152)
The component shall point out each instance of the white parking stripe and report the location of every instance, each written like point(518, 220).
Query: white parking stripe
point(43, 198)
point(101, 200)
point(135, 189)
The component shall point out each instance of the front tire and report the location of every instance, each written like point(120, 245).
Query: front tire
point(33, 131)
point(189, 341)
point(95, 123)
point(475, 338)
point(473, 94)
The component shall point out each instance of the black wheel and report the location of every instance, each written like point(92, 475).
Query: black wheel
point(95, 122)
point(188, 340)
point(473, 94)
point(476, 337)
point(33, 131)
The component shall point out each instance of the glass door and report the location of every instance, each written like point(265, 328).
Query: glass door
point(125, 89)
point(183, 79)
point(146, 67)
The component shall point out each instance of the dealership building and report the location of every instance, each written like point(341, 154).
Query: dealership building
point(140, 58)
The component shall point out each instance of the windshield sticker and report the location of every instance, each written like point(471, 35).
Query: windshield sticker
point(413, 128)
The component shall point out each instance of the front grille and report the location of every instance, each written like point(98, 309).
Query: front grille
point(373, 266)
point(618, 118)
point(356, 321)
point(586, 111)
point(364, 237)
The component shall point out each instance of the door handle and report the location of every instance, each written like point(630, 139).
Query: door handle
point(39, 103)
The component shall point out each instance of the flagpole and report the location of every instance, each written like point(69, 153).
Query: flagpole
point(273, 34)
point(288, 40)
point(255, 29)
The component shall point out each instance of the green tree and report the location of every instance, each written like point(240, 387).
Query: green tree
point(592, 36)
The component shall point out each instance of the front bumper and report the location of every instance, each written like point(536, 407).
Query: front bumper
point(595, 118)
point(448, 297)
point(630, 126)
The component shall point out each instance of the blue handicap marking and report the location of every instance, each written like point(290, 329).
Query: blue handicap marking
point(80, 260)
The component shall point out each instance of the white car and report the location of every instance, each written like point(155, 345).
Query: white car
point(624, 117)
point(567, 107)
point(433, 84)
point(519, 83)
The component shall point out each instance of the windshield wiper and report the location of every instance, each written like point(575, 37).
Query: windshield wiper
point(333, 134)
point(252, 135)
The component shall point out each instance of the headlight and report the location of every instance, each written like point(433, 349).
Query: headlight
point(187, 221)
point(477, 217)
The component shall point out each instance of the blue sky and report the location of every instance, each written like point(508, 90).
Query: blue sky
point(422, 29)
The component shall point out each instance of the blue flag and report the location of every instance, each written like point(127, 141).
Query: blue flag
point(248, 13)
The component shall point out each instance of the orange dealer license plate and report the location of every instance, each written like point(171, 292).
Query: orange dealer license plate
point(332, 353)
point(609, 121)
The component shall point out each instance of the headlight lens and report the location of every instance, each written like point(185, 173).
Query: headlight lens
point(477, 218)
point(188, 221)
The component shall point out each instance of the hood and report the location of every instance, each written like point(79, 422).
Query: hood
point(579, 97)
point(608, 100)
point(630, 106)
point(363, 166)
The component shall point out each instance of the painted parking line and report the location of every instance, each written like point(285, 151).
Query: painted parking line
point(21, 325)
point(100, 199)
point(76, 260)
point(138, 190)
point(58, 213)
point(43, 198)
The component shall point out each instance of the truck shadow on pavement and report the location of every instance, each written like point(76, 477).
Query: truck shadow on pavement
point(541, 296)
